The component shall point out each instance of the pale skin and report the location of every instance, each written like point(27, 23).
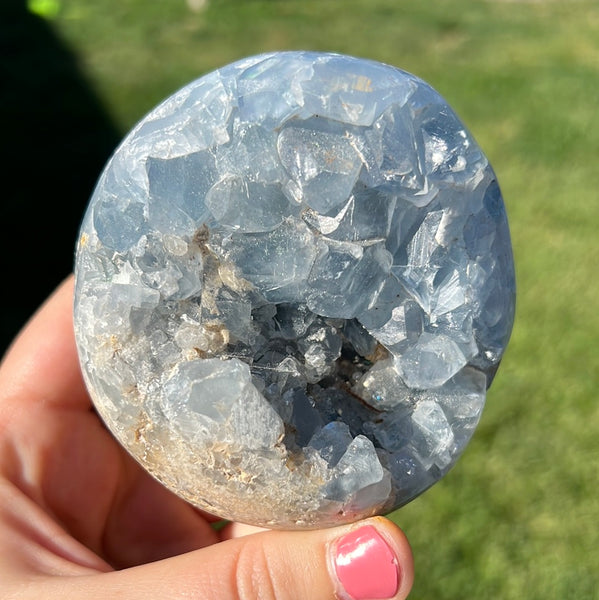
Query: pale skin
point(80, 519)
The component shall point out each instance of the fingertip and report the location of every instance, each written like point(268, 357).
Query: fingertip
point(371, 560)
point(42, 364)
point(367, 560)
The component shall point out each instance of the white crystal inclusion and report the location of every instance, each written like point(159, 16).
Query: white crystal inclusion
point(294, 285)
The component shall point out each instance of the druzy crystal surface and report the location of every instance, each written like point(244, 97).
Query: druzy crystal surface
point(294, 285)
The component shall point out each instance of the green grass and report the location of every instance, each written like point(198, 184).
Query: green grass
point(518, 515)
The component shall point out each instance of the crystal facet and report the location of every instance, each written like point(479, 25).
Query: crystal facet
point(294, 285)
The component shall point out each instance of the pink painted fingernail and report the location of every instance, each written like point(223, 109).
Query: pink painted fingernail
point(365, 565)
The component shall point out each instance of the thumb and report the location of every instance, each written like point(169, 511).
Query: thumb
point(370, 560)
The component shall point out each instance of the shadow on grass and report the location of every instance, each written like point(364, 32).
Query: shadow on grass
point(55, 139)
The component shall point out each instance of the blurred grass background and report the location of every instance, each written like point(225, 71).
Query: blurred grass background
point(518, 516)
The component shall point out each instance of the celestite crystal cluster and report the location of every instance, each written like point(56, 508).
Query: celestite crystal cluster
point(294, 284)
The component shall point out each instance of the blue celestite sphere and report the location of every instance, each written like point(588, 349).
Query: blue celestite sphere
point(294, 285)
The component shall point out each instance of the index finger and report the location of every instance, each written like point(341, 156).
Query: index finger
point(42, 365)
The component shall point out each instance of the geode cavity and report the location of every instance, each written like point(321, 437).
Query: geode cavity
point(294, 284)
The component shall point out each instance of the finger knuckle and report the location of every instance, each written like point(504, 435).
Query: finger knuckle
point(256, 575)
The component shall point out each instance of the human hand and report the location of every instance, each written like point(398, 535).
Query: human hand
point(79, 518)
